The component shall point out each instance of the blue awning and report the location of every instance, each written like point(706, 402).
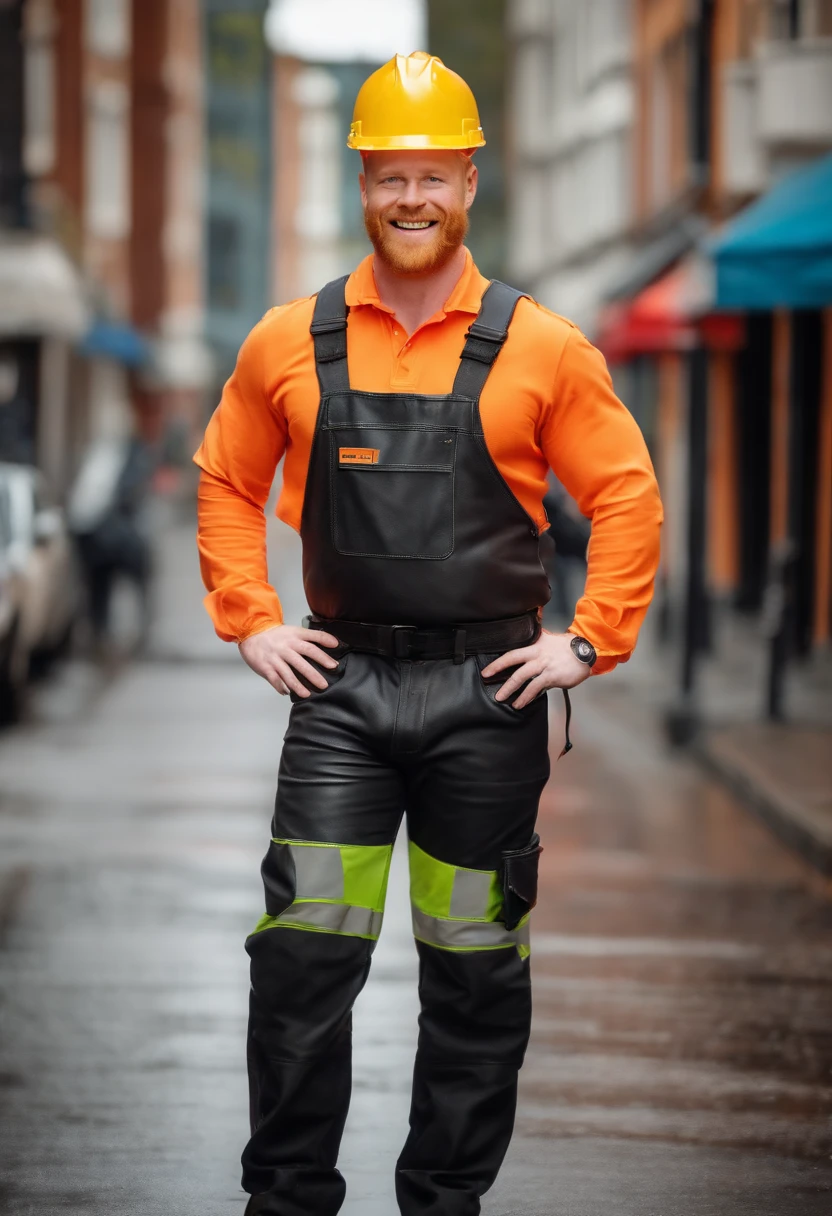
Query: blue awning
point(778, 252)
point(116, 341)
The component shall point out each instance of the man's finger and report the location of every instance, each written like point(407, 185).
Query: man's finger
point(317, 635)
point(277, 684)
point(315, 652)
point(531, 692)
point(300, 665)
point(290, 679)
point(510, 659)
point(515, 681)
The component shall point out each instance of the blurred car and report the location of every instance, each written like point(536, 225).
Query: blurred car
point(14, 654)
point(42, 555)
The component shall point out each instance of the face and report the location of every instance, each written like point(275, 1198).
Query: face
point(416, 207)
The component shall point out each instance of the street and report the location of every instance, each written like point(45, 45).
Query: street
point(681, 1059)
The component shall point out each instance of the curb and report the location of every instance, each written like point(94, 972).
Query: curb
point(793, 823)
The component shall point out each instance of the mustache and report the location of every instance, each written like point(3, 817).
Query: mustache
point(411, 217)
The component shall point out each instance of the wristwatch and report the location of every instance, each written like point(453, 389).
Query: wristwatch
point(583, 651)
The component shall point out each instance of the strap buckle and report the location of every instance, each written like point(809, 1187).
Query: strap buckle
point(478, 330)
point(483, 343)
point(328, 325)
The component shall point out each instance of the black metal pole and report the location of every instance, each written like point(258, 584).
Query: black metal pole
point(786, 608)
point(13, 195)
point(682, 721)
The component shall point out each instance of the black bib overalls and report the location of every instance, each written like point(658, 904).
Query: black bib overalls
point(407, 522)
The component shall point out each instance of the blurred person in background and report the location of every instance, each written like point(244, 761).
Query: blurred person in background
point(419, 408)
point(106, 512)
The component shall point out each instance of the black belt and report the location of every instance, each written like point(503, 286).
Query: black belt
point(452, 642)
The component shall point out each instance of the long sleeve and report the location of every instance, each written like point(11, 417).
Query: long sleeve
point(596, 449)
point(243, 444)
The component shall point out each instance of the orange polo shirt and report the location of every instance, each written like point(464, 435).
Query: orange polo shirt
point(548, 403)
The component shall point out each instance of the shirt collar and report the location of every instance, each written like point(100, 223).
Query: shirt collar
point(465, 297)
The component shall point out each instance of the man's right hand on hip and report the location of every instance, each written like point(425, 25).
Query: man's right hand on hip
point(281, 653)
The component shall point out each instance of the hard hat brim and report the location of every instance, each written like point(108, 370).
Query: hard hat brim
point(415, 143)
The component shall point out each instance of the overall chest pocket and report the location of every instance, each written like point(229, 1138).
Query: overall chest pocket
point(393, 492)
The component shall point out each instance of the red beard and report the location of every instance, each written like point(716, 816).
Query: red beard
point(412, 258)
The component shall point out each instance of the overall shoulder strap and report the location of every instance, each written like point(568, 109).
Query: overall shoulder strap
point(329, 336)
point(485, 339)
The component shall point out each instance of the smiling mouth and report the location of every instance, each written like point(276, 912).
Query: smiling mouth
point(413, 225)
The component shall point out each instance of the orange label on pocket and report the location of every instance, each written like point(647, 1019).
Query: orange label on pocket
point(358, 455)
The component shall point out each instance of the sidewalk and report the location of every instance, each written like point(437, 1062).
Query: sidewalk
point(782, 771)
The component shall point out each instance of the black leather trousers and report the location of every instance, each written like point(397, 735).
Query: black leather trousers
point(385, 739)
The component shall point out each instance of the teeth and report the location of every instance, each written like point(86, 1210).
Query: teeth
point(420, 224)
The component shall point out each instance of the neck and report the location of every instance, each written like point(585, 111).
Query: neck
point(414, 298)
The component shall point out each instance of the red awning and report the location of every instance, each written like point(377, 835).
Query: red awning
point(665, 317)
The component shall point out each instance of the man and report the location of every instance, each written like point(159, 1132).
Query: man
point(418, 408)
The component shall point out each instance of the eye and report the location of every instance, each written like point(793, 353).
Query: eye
point(434, 178)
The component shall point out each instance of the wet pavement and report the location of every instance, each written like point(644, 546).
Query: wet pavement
point(681, 1062)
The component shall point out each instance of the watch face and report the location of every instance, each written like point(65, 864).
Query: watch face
point(584, 650)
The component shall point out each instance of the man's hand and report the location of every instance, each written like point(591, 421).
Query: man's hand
point(548, 663)
point(277, 654)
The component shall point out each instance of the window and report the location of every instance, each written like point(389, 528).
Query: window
point(669, 129)
point(224, 262)
point(108, 27)
point(39, 86)
point(107, 161)
point(817, 19)
point(750, 27)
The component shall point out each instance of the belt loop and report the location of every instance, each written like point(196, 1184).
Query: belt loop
point(459, 645)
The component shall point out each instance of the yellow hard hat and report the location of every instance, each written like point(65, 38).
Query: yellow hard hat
point(414, 101)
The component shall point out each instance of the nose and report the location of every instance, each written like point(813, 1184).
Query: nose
point(412, 194)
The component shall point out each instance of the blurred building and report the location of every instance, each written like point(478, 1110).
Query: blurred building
point(639, 131)
point(571, 114)
point(102, 115)
point(43, 306)
point(239, 239)
point(469, 36)
point(323, 52)
point(317, 207)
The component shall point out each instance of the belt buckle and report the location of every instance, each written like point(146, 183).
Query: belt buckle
point(400, 638)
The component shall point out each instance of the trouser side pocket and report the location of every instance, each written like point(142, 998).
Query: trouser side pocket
point(519, 881)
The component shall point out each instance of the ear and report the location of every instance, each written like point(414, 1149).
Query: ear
point(471, 178)
point(362, 185)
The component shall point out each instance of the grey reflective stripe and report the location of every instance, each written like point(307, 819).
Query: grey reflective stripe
point(471, 891)
point(319, 872)
point(466, 934)
point(334, 918)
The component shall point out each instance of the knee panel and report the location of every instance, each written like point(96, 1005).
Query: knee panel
point(325, 888)
point(461, 909)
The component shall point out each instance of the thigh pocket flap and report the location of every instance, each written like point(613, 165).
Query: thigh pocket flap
point(519, 880)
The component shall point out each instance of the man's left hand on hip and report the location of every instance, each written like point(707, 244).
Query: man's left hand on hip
point(549, 662)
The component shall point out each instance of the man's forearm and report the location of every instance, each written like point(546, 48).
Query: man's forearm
point(232, 552)
point(622, 563)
